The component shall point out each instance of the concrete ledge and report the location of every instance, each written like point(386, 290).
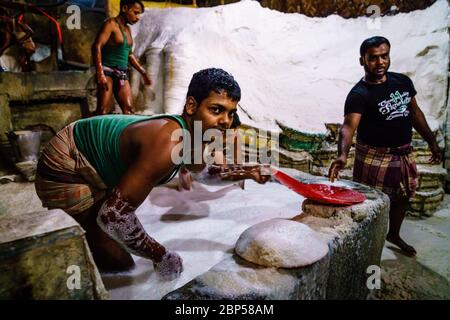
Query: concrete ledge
point(426, 202)
point(431, 177)
point(39, 252)
point(26, 86)
point(355, 237)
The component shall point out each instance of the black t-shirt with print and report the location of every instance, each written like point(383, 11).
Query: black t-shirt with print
point(384, 108)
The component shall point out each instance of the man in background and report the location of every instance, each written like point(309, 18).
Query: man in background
point(383, 107)
point(112, 52)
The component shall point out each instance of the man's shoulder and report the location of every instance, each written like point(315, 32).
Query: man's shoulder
point(359, 89)
point(160, 130)
point(399, 76)
point(109, 23)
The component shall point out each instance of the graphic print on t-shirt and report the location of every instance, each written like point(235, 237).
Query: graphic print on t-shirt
point(396, 106)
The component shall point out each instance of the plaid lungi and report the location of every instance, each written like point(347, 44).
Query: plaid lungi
point(64, 178)
point(390, 170)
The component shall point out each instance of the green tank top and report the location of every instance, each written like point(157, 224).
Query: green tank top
point(98, 139)
point(116, 56)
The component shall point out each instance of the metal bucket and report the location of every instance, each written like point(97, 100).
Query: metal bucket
point(25, 144)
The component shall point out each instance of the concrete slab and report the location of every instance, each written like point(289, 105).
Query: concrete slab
point(44, 255)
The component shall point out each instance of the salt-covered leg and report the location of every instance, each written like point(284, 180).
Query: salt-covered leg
point(117, 218)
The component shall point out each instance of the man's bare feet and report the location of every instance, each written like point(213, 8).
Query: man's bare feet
point(409, 250)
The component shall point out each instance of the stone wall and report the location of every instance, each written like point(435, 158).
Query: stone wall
point(45, 101)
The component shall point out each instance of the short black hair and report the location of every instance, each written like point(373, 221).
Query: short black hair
point(130, 3)
point(372, 42)
point(213, 79)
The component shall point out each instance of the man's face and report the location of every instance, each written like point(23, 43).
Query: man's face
point(215, 112)
point(132, 13)
point(376, 61)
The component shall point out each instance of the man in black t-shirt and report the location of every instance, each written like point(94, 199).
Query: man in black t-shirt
point(382, 106)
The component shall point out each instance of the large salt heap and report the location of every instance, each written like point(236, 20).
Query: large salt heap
point(292, 69)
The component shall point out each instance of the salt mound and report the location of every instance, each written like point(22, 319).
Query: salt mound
point(281, 243)
point(292, 69)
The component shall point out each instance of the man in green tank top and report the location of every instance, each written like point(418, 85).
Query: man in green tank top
point(101, 169)
point(112, 52)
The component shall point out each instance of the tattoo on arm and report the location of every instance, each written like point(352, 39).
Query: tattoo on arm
point(117, 218)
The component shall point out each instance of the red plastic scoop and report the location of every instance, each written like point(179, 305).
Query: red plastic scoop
point(320, 192)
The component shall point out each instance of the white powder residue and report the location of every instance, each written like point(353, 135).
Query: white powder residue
point(203, 226)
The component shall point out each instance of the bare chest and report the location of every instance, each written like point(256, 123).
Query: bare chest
point(117, 37)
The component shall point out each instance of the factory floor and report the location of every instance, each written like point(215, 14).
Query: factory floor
point(426, 276)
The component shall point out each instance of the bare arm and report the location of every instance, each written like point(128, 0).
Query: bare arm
point(100, 41)
point(135, 64)
point(142, 175)
point(351, 122)
point(117, 215)
point(420, 124)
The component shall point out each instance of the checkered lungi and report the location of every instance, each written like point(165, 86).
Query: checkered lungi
point(65, 179)
point(390, 170)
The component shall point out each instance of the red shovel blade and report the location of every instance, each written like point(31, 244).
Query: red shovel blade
point(320, 192)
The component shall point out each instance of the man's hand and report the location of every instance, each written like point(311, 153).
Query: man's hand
point(257, 174)
point(336, 166)
point(236, 173)
point(146, 78)
point(170, 266)
point(185, 179)
point(436, 154)
point(102, 82)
